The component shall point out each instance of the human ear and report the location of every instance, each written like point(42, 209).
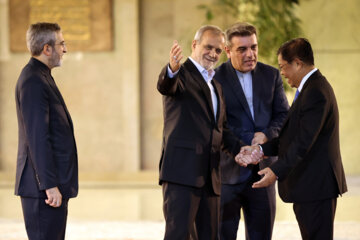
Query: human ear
point(47, 50)
point(193, 44)
point(227, 51)
point(298, 63)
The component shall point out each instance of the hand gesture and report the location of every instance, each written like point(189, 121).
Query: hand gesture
point(54, 197)
point(175, 57)
point(259, 138)
point(249, 155)
point(268, 178)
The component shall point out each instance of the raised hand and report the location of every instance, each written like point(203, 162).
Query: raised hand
point(175, 56)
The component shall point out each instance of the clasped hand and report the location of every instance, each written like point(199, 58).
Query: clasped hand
point(253, 155)
point(249, 155)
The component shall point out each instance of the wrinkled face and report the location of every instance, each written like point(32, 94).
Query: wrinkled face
point(290, 71)
point(58, 51)
point(243, 52)
point(207, 52)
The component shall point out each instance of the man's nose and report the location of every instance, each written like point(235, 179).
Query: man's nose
point(64, 49)
point(213, 53)
point(249, 53)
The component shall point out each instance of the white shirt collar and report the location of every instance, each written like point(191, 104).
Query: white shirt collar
point(203, 71)
point(305, 78)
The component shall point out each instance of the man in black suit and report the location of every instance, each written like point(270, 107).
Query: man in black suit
point(256, 107)
point(309, 170)
point(194, 131)
point(47, 165)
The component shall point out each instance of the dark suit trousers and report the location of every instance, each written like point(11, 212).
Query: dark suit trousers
point(258, 207)
point(184, 205)
point(316, 219)
point(42, 221)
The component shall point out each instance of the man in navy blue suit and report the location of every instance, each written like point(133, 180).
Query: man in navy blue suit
point(47, 164)
point(256, 107)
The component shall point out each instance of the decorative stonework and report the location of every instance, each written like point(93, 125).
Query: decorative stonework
point(86, 24)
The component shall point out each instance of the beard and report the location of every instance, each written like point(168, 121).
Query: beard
point(55, 60)
point(208, 63)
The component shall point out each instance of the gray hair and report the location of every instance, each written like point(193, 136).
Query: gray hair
point(40, 34)
point(214, 29)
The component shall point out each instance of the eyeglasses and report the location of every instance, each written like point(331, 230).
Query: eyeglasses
point(283, 65)
point(63, 44)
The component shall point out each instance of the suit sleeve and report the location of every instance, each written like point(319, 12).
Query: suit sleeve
point(271, 148)
point(280, 109)
point(230, 143)
point(34, 108)
point(169, 86)
point(313, 112)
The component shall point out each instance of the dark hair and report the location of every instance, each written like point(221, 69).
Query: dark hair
point(242, 29)
point(40, 34)
point(297, 48)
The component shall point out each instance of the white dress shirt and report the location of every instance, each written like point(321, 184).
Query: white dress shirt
point(305, 78)
point(207, 76)
point(245, 80)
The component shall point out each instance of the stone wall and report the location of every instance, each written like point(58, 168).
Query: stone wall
point(101, 90)
point(112, 96)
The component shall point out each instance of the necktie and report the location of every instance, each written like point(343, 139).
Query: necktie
point(296, 95)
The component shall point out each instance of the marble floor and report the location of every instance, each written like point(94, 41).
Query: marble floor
point(132, 210)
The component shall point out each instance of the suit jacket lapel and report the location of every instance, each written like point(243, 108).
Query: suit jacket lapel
point(45, 71)
point(237, 88)
point(256, 84)
point(293, 106)
point(196, 75)
point(56, 90)
point(217, 91)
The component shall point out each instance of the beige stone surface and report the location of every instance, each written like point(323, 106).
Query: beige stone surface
point(130, 207)
point(154, 230)
point(332, 27)
point(101, 91)
point(112, 96)
point(86, 24)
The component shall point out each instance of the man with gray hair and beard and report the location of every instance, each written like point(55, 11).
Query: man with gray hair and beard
point(47, 164)
point(194, 132)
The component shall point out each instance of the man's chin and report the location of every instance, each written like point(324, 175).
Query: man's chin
point(209, 66)
point(250, 67)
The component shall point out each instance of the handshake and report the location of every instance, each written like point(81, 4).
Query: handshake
point(253, 155)
point(249, 155)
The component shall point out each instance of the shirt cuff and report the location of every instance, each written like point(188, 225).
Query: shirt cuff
point(170, 73)
point(261, 149)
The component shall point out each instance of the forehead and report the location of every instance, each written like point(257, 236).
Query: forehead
point(211, 38)
point(245, 41)
point(59, 36)
point(281, 60)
